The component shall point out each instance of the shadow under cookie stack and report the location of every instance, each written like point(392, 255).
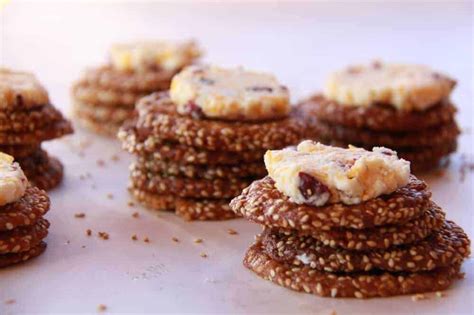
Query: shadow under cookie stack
point(105, 96)
point(27, 118)
point(349, 223)
point(201, 144)
point(22, 206)
point(403, 107)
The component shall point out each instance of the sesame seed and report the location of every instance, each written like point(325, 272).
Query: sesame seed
point(175, 239)
point(146, 240)
point(232, 232)
point(103, 235)
point(101, 308)
point(80, 215)
point(88, 232)
point(135, 214)
point(198, 240)
point(134, 237)
point(203, 255)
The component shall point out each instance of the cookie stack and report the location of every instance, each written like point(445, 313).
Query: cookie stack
point(104, 97)
point(22, 226)
point(349, 223)
point(27, 118)
point(403, 107)
point(201, 144)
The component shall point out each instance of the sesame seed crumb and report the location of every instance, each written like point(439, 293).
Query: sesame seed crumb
point(10, 301)
point(103, 235)
point(135, 214)
point(198, 240)
point(439, 294)
point(418, 297)
point(175, 239)
point(146, 240)
point(115, 157)
point(80, 215)
point(134, 237)
point(232, 232)
point(203, 255)
point(110, 196)
point(101, 307)
point(88, 232)
point(131, 203)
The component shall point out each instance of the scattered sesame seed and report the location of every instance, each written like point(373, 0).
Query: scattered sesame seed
point(110, 196)
point(131, 204)
point(439, 294)
point(115, 157)
point(134, 237)
point(80, 215)
point(88, 232)
point(103, 235)
point(203, 255)
point(101, 308)
point(198, 240)
point(418, 297)
point(232, 232)
point(135, 214)
point(10, 301)
point(146, 240)
point(175, 239)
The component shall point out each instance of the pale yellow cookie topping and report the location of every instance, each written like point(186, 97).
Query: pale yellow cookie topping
point(233, 94)
point(13, 182)
point(316, 174)
point(405, 87)
point(21, 89)
point(140, 56)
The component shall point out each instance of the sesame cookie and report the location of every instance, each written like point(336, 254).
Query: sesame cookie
point(381, 237)
point(158, 114)
point(25, 211)
point(99, 97)
point(20, 151)
point(447, 246)
point(23, 238)
point(404, 87)
point(108, 78)
point(29, 120)
point(15, 258)
point(358, 285)
point(262, 203)
point(187, 208)
point(186, 187)
point(105, 114)
point(20, 90)
point(432, 136)
point(153, 165)
point(380, 117)
point(54, 130)
point(98, 127)
point(143, 142)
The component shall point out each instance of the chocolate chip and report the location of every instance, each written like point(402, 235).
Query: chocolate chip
point(312, 189)
point(260, 89)
point(194, 110)
point(207, 81)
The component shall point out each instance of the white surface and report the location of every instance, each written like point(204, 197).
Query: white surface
point(300, 43)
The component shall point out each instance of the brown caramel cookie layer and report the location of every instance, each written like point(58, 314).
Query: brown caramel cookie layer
point(26, 211)
point(107, 115)
point(15, 258)
point(380, 118)
point(104, 129)
point(23, 238)
point(262, 203)
point(99, 97)
point(358, 285)
point(20, 151)
point(447, 246)
point(29, 120)
point(158, 115)
point(186, 187)
point(53, 130)
point(148, 144)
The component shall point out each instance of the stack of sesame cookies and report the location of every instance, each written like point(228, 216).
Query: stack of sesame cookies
point(22, 226)
point(27, 118)
point(104, 97)
point(201, 144)
point(349, 223)
point(403, 107)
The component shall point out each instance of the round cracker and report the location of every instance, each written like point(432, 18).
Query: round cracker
point(358, 285)
point(262, 203)
point(26, 211)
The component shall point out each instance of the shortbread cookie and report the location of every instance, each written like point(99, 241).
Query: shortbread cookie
point(229, 94)
point(29, 120)
point(11, 259)
point(157, 114)
point(380, 237)
point(433, 136)
point(100, 97)
point(262, 203)
point(317, 174)
point(447, 246)
point(107, 78)
point(150, 164)
point(25, 211)
point(13, 182)
point(145, 143)
point(380, 117)
point(105, 114)
point(21, 90)
point(187, 208)
point(358, 285)
point(23, 238)
point(54, 130)
point(151, 55)
point(405, 87)
point(186, 187)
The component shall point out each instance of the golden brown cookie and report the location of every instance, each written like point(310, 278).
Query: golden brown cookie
point(15, 258)
point(23, 238)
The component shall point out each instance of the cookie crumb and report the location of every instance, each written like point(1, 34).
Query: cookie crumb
point(418, 297)
point(203, 255)
point(135, 214)
point(110, 196)
point(198, 240)
point(134, 237)
point(439, 294)
point(175, 239)
point(103, 235)
point(146, 240)
point(115, 157)
point(101, 308)
point(88, 232)
point(80, 215)
point(131, 204)
point(10, 301)
point(232, 232)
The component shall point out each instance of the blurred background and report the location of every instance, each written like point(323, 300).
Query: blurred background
point(299, 41)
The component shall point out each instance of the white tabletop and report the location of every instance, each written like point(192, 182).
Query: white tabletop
point(300, 43)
